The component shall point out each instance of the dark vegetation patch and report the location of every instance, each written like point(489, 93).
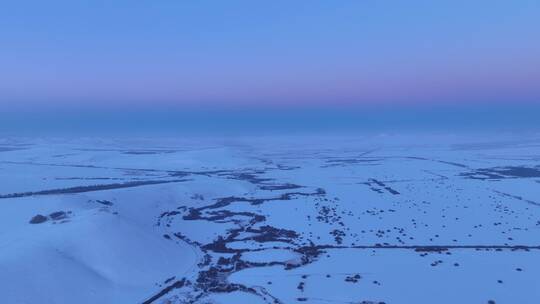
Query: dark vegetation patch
point(517, 197)
point(166, 290)
point(503, 172)
point(342, 162)
point(38, 219)
point(7, 149)
point(61, 216)
point(451, 163)
point(280, 187)
point(81, 189)
point(104, 202)
point(353, 278)
point(379, 186)
point(58, 215)
point(147, 152)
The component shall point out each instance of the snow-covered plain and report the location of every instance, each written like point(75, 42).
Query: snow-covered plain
point(367, 219)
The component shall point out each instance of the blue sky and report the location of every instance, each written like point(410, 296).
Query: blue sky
point(239, 64)
point(274, 52)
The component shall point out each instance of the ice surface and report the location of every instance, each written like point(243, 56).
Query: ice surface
point(367, 219)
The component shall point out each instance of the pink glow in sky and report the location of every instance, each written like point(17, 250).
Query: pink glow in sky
point(279, 53)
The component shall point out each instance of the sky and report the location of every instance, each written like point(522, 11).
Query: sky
point(163, 55)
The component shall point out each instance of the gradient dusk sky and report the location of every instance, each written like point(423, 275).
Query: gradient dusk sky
point(60, 53)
